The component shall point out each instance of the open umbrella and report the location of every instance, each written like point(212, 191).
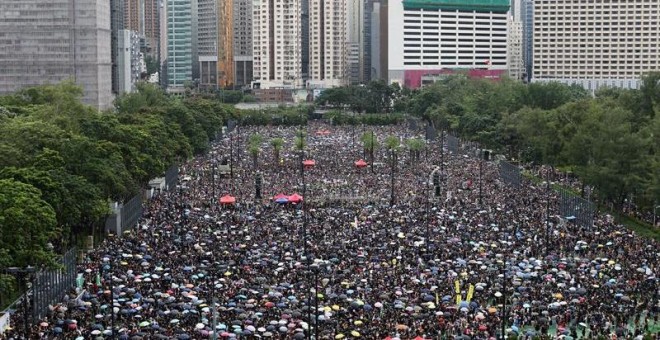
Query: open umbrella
point(227, 199)
point(295, 198)
point(360, 164)
point(309, 163)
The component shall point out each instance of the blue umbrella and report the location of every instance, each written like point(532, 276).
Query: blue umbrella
point(282, 200)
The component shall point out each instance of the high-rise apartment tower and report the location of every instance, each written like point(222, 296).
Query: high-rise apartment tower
point(596, 43)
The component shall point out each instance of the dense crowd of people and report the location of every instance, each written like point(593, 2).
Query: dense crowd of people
point(472, 260)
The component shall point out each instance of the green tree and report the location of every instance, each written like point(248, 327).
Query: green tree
point(415, 146)
point(277, 144)
point(370, 143)
point(27, 225)
point(254, 148)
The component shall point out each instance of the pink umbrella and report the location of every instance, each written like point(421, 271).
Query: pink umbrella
point(227, 199)
point(295, 198)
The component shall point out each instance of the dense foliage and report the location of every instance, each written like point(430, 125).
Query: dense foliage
point(62, 162)
point(610, 140)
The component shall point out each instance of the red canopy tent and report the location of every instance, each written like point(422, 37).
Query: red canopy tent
point(227, 199)
point(361, 163)
point(295, 198)
point(309, 163)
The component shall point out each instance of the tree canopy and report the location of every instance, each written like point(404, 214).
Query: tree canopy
point(64, 161)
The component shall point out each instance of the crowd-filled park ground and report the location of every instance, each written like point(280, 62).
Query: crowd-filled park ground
point(358, 243)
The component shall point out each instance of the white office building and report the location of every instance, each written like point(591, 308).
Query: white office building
point(441, 36)
point(596, 43)
point(276, 41)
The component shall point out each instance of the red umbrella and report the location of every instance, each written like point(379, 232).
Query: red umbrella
point(482, 328)
point(309, 163)
point(295, 198)
point(278, 196)
point(227, 199)
point(361, 163)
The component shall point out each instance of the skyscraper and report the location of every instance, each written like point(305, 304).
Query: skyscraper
point(355, 41)
point(133, 14)
point(215, 41)
point(242, 42)
point(152, 27)
point(515, 46)
point(116, 24)
point(595, 44)
point(328, 53)
point(179, 44)
point(45, 42)
point(276, 39)
point(440, 36)
point(528, 36)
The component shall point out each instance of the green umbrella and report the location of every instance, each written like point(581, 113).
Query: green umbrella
point(145, 323)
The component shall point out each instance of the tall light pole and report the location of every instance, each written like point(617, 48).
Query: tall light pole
point(23, 274)
point(481, 161)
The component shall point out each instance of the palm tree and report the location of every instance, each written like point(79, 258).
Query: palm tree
point(301, 141)
point(277, 144)
point(415, 146)
point(370, 142)
point(254, 148)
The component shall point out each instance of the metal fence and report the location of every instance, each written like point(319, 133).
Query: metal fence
point(49, 286)
point(576, 209)
point(131, 212)
point(453, 143)
point(510, 173)
point(171, 176)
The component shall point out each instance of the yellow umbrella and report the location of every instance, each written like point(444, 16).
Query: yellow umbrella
point(123, 263)
point(357, 322)
point(339, 336)
point(335, 307)
point(559, 296)
point(327, 309)
point(355, 334)
point(320, 296)
point(492, 310)
point(227, 273)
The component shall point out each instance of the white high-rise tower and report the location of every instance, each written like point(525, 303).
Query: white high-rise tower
point(276, 39)
point(328, 54)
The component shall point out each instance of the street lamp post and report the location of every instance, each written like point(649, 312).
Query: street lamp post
point(104, 271)
point(547, 213)
point(23, 274)
point(393, 156)
point(480, 180)
point(215, 166)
